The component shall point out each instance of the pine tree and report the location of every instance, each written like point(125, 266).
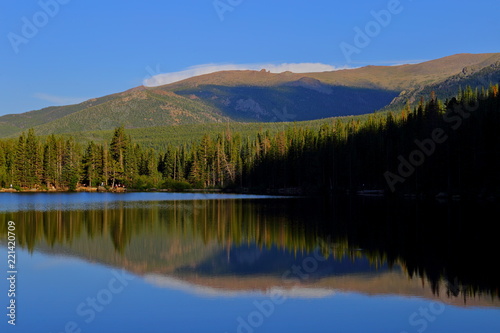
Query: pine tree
point(92, 170)
point(71, 165)
point(3, 167)
point(20, 167)
point(50, 162)
point(34, 160)
point(118, 151)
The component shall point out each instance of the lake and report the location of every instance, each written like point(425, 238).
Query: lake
point(194, 262)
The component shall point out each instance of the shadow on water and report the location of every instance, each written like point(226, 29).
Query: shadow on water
point(450, 246)
point(452, 242)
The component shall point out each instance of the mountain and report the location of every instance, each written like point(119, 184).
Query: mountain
point(474, 76)
point(135, 108)
point(261, 96)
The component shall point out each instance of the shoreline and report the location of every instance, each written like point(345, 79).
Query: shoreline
point(288, 192)
point(102, 189)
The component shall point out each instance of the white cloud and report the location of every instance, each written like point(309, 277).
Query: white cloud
point(60, 100)
point(169, 282)
point(166, 78)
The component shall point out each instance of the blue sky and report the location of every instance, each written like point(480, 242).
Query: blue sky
point(56, 52)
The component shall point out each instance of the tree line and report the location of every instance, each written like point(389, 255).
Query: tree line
point(394, 151)
point(437, 146)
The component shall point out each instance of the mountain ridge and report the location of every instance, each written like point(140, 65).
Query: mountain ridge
point(261, 96)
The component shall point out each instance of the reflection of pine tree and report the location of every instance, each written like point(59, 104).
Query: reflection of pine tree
point(139, 234)
point(120, 235)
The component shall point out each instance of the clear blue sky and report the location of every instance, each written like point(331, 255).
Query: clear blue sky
point(89, 48)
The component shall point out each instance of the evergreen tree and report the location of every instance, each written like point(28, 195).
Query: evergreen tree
point(33, 157)
point(93, 173)
point(118, 152)
point(50, 162)
point(20, 165)
point(71, 166)
point(344, 154)
point(3, 167)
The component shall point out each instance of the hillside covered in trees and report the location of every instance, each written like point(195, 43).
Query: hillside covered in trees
point(439, 146)
point(252, 96)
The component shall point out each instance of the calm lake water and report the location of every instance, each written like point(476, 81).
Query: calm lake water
point(166, 262)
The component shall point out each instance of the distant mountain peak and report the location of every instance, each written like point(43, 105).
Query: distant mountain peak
point(259, 95)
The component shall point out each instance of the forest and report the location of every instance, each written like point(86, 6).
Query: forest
point(434, 147)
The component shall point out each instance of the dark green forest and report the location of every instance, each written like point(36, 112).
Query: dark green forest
point(438, 146)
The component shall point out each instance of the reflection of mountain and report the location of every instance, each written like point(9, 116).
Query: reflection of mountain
point(384, 283)
point(252, 260)
point(226, 246)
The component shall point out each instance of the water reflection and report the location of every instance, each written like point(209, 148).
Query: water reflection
point(308, 248)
